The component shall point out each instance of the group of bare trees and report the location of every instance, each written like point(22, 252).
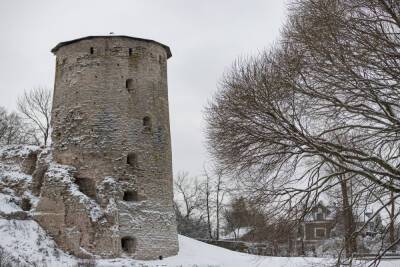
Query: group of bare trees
point(11, 128)
point(35, 107)
point(319, 111)
point(200, 203)
point(31, 125)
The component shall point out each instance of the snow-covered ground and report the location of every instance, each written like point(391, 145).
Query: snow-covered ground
point(26, 241)
point(195, 252)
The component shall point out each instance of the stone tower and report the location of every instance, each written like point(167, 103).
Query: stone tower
point(111, 123)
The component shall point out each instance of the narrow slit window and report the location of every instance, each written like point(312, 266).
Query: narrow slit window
point(147, 123)
point(129, 85)
point(130, 51)
point(132, 160)
point(91, 50)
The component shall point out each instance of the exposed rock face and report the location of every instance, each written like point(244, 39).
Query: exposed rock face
point(76, 221)
point(16, 166)
point(111, 127)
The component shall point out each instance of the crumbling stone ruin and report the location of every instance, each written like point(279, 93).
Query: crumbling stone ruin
point(17, 164)
point(105, 187)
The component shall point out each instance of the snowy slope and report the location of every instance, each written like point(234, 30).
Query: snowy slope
point(27, 242)
point(196, 252)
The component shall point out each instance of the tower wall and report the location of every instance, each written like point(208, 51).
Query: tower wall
point(111, 122)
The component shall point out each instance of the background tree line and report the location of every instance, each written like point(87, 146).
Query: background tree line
point(213, 207)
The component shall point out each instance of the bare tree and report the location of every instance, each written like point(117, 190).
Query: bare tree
point(327, 95)
point(187, 190)
point(237, 216)
point(35, 106)
point(214, 190)
point(208, 203)
point(13, 130)
point(346, 213)
point(220, 191)
point(189, 206)
point(285, 104)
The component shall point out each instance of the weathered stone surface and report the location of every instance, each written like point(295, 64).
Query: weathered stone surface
point(42, 165)
point(28, 164)
point(111, 124)
point(16, 215)
point(17, 163)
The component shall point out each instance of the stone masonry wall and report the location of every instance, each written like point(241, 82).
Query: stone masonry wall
point(111, 121)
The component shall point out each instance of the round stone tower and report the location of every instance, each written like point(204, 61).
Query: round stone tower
point(111, 122)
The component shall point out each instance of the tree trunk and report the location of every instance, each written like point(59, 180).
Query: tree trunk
point(348, 220)
point(392, 219)
point(218, 207)
point(208, 208)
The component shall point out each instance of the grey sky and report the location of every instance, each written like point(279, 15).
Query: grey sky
point(205, 38)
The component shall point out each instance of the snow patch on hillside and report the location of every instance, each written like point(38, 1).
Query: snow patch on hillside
point(12, 151)
point(8, 204)
point(27, 243)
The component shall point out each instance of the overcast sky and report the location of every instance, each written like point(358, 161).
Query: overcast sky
point(205, 37)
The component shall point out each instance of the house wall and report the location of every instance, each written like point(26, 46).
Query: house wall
point(310, 228)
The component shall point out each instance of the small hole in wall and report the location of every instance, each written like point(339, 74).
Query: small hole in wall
point(130, 51)
point(91, 50)
point(86, 186)
point(132, 160)
point(128, 244)
point(160, 257)
point(130, 196)
point(147, 123)
point(26, 204)
point(129, 85)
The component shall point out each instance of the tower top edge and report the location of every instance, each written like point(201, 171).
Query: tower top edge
point(58, 46)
